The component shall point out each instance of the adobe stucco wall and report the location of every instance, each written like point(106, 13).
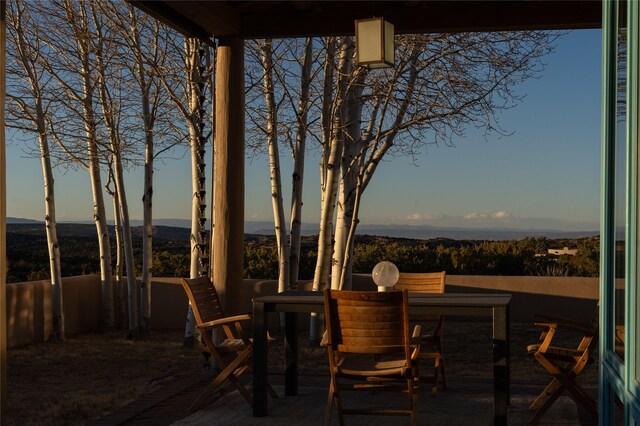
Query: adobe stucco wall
point(29, 304)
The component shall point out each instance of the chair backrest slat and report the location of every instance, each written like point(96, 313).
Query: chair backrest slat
point(204, 299)
point(421, 282)
point(367, 322)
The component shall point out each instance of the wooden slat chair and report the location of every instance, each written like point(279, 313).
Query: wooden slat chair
point(431, 346)
point(361, 324)
point(232, 356)
point(564, 364)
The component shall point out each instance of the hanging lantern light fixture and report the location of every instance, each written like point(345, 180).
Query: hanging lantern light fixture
point(375, 47)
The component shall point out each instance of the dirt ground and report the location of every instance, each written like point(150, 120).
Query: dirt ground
point(86, 377)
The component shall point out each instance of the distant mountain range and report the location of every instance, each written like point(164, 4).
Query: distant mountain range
point(88, 230)
point(179, 228)
point(427, 232)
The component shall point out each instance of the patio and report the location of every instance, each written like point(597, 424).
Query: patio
point(467, 402)
point(468, 399)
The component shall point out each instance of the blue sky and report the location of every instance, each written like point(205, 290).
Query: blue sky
point(545, 175)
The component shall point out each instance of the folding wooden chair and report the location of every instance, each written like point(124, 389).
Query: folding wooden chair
point(430, 344)
point(564, 364)
point(361, 324)
point(232, 356)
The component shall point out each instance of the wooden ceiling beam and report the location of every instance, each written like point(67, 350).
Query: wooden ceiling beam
point(430, 17)
point(276, 19)
point(168, 16)
point(218, 18)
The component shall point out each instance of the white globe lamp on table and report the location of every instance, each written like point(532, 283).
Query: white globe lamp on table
point(385, 274)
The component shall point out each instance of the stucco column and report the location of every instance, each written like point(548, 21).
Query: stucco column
point(228, 234)
point(3, 221)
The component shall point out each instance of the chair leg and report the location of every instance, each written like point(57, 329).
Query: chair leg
point(272, 392)
point(206, 397)
point(549, 390)
point(414, 400)
point(327, 413)
point(338, 401)
point(226, 376)
point(243, 391)
point(436, 370)
point(581, 397)
point(330, 399)
point(440, 354)
point(547, 403)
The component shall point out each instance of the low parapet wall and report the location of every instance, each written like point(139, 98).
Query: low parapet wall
point(29, 304)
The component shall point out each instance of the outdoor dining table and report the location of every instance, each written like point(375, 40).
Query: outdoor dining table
point(495, 306)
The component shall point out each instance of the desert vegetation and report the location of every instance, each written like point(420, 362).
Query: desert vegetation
point(28, 260)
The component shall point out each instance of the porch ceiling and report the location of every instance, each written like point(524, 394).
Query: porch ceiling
point(272, 19)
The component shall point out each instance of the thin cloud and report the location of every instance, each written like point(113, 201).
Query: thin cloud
point(474, 215)
point(423, 216)
point(501, 215)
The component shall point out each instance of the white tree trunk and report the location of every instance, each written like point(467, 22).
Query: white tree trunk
point(100, 220)
point(132, 283)
point(147, 235)
point(147, 196)
point(23, 52)
point(351, 159)
point(321, 275)
point(297, 179)
point(111, 117)
point(199, 253)
point(274, 168)
point(120, 293)
point(52, 237)
point(99, 215)
point(343, 224)
point(345, 282)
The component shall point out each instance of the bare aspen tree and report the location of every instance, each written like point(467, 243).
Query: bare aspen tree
point(441, 84)
point(280, 89)
point(297, 178)
point(111, 103)
point(70, 61)
point(144, 52)
point(349, 174)
point(28, 111)
point(196, 83)
point(266, 48)
point(119, 291)
point(187, 91)
point(148, 116)
point(331, 175)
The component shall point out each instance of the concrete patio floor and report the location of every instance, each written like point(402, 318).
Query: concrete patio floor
point(465, 402)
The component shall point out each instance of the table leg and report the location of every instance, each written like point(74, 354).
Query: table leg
point(291, 354)
point(259, 360)
point(500, 364)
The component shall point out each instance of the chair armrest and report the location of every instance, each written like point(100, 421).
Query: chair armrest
point(223, 321)
point(561, 322)
point(417, 334)
point(558, 319)
point(325, 340)
point(415, 341)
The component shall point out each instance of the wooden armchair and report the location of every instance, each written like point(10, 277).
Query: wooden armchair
point(564, 364)
point(361, 324)
point(431, 347)
point(233, 355)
